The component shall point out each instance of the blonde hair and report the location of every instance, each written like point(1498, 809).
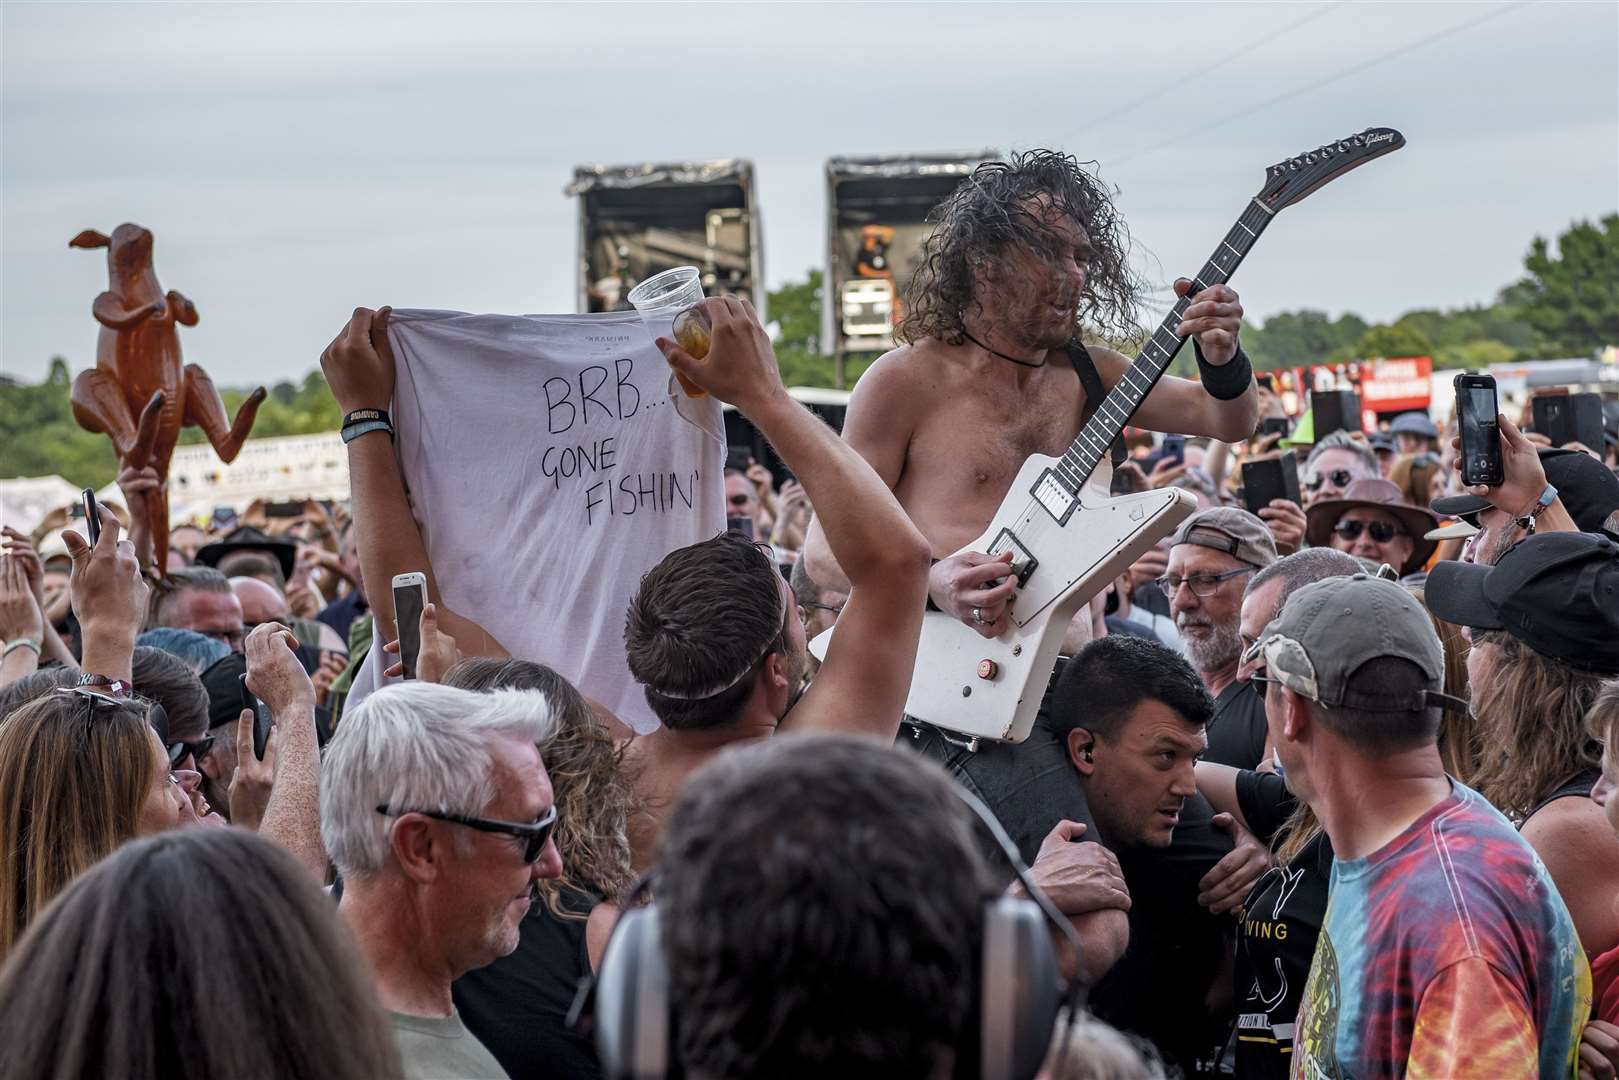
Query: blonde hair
point(1458, 736)
point(1085, 1048)
point(1602, 718)
point(1532, 725)
point(74, 774)
point(594, 798)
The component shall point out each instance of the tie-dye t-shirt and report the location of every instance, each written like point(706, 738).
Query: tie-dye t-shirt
point(1447, 953)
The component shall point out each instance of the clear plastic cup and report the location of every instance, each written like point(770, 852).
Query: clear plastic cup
point(664, 302)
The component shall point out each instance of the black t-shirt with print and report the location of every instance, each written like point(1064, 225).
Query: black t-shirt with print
point(1282, 918)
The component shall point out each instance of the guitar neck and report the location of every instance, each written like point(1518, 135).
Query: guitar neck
point(1121, 403)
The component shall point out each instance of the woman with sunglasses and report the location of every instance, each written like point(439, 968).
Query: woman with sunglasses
point(1370, 522)
point(82, 773)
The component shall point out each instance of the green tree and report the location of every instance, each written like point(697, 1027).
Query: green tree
point(795, 310)
point(1396, 340)
point(1571, 298)
point(1474, 355)
point(1292, 338)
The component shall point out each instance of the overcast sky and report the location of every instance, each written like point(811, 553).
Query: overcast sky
point(296, 161)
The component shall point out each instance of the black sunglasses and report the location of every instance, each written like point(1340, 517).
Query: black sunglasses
point(534, 835)
point(1340, 478)
point(198, 750)
point(1382, 532)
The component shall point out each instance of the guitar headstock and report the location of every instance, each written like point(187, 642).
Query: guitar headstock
point(1287, 182)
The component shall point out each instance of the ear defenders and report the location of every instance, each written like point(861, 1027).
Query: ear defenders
point(1016, 1004)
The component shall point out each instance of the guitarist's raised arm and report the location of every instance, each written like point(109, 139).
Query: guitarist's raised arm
point(1185, 406)
point(862, 685)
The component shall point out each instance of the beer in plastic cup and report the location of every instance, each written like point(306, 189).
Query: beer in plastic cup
point(664, 302)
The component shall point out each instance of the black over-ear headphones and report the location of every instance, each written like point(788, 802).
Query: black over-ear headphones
point(1019, 992)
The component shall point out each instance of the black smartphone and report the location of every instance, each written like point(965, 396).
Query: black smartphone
point(284, 509)
point(1566, 418)
point(1273, 478)
point(262, 720)
point(92, 517)
point(1275, 425)
point(743, 525)
point(1266, 381)
point(1335, 410)
point(1476, 412)
point(410, 597)
point(1175, 447)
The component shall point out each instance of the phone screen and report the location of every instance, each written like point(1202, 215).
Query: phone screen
point(1481, 439)
point(408, 605)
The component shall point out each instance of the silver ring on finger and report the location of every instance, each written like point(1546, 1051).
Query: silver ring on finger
point(978, 617)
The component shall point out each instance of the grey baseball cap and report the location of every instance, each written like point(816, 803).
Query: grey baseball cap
point(1329, 629)
point(1232, 530)
point(1414, 423)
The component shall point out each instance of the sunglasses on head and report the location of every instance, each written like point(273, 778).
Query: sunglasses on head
point(1340, 478)
point(156, 716)
point(1382, 532)
point(533, 834)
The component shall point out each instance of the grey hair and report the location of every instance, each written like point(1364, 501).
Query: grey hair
point(419, 746)
point(1303, 568)
point(1086, 1048)
point(1340, 440)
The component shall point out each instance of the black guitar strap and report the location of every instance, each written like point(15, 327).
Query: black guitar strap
point(1090, 381)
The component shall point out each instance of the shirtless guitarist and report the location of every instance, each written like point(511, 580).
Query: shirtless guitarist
point(990, 370)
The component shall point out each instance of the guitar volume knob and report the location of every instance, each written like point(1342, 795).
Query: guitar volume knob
point(988, 669)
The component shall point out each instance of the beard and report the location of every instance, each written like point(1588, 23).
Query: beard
point(1219, 647)
point(797, 670)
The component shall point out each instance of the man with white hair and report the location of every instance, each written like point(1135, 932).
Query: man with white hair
point(437, 812)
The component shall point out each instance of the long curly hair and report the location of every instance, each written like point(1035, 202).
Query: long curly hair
point(1532, 728)
point(594, 800)
point(999, 207)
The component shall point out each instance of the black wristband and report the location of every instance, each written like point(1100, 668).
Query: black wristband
point(1228, 381)
point(360, 416)
point(931, 606)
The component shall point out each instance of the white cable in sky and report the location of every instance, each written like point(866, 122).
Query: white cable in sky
point(1354, 69)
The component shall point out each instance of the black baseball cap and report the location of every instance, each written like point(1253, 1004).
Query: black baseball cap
point(1558, 593)
point(1588, 488)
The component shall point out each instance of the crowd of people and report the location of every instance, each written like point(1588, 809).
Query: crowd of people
point(1318, 788)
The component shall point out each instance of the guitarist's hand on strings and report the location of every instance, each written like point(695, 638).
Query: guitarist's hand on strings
point(1214, 318)
point(975, 588)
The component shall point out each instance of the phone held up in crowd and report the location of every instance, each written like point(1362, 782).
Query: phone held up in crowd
point(1476, 412)
point(410, 598)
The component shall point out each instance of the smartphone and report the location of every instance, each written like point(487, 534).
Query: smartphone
point(1275, 425)
point(1476, 412)
point(1334, 410)
point(262, 720)
point(1566, 418)
point(284, 509)
point(410, 597)
point(1266, 381)
point(1273, 478)
point(92, 517)
point(743, 525)
point(1175, 447)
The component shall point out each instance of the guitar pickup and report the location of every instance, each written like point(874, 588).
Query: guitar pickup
point(1023, 560)
point(1054, 496)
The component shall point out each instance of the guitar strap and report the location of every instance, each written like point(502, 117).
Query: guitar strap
point(1090, 381)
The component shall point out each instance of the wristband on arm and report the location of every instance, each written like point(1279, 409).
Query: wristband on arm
point(1228, 381)
point(364, 421)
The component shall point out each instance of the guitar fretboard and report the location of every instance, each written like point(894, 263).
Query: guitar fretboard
point(1121, 403)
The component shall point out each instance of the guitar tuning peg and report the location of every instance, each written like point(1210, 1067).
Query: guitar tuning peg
point(1326, 151)
point(1309, 159)
point(1343, 148)
point(1293, 165)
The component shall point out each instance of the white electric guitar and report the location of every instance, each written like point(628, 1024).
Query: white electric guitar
point(1068, 536)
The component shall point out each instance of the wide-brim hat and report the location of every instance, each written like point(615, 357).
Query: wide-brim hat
point(247, 538)
point(1376, 495)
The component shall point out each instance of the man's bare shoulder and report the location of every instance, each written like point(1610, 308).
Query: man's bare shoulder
point(902, 376)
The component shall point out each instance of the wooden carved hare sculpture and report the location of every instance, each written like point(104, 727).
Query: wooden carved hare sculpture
point(139, 393)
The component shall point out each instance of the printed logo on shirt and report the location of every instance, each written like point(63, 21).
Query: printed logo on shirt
point(1316, 1050)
